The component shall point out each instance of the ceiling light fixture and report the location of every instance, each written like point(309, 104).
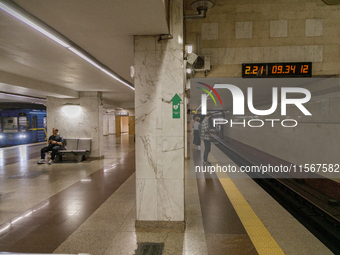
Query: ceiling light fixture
point(132, 72)
point(19, 13)
point(71, 109)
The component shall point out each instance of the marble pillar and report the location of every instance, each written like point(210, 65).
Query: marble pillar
point(112, 123)
point(159, 137)
point(87, 123)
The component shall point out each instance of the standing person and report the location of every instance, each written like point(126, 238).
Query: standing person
point(55, 142)
point(206, 137)
point(197, 138)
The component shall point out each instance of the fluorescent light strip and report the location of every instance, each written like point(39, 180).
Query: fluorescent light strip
point(8, 7)
point(6, 226)
point(32, 24)
point(116, 78)
point(14, 221)
point(77, 52)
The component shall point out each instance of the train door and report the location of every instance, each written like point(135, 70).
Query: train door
point(22, 122)
point(33, 126)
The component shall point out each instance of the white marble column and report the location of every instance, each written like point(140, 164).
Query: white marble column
point(112, 123)
point(159, 137)
point(88, 123)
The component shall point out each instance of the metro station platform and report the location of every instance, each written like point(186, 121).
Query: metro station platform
point(90, 207)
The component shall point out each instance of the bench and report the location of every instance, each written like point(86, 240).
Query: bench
point(75, 147)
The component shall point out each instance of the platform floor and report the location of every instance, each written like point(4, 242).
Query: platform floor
point(89, 207)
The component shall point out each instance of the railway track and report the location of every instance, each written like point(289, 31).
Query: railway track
point(308, 205)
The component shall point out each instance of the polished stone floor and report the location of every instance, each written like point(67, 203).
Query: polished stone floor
point(89, 207)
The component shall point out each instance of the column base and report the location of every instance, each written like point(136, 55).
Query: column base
point(160, 226)
point(95, 158)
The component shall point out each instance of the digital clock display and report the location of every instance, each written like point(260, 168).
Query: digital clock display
point(270, 70)
point(254, 70)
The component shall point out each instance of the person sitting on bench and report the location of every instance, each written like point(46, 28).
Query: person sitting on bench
point(55, 142)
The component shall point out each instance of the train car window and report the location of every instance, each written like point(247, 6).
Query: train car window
point(22, 123)
point(10, 124)
point(45, 122)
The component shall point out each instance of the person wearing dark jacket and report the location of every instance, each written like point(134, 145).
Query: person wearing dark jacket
point(55, 142)
point(197, 135)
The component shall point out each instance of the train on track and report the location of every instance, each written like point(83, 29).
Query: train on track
point(22, 126)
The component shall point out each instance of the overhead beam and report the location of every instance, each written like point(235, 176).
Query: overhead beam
point(28, 86)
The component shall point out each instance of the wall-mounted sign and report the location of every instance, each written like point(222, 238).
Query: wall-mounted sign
point(176, 107)
point(279, 70)
point(122, 114)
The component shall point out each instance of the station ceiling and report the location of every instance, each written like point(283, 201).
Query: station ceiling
point(33, 65)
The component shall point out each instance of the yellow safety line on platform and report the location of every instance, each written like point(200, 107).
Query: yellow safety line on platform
point(258, 233)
